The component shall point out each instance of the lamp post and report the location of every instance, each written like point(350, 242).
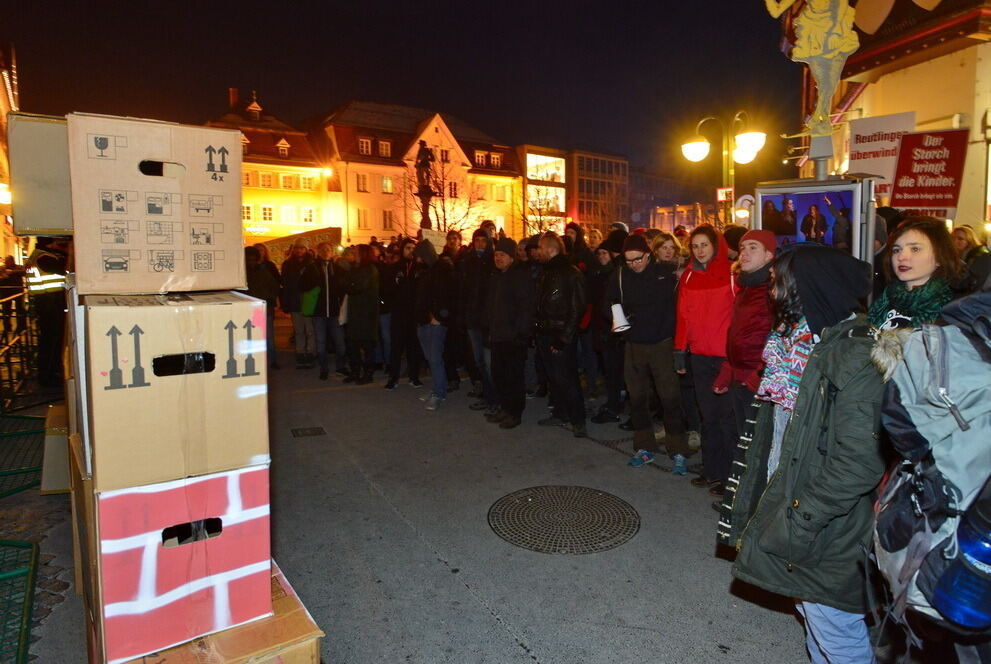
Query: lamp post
point(738, 148)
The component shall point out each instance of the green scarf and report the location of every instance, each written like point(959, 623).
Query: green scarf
point(922, 304)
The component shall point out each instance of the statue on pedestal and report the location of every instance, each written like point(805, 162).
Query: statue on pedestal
point(424, 175)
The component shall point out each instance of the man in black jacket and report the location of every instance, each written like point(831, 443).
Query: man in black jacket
point(322, 274)
point(510, 321)
point(646, 291)
point(560, 306)
point(402, 324)
point(474, 270)
point(432, 310)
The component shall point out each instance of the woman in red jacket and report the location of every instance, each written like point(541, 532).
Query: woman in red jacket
point(705, 305)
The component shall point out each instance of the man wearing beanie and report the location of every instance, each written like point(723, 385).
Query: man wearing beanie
point(750, 324)
point(510, 320)
point(645, 290)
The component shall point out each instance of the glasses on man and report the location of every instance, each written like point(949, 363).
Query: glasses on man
point(636, 261)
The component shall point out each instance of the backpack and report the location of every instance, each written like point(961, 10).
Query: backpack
point(937, 412)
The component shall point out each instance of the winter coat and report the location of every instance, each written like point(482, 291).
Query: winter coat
point(560, 301)
point(361, 284)
point(263, 285)
point(473, 272)
point(802, 533)
point(705, 305)
point(292, 294)
point(749, 326)
point(648, 300)
point(404, 289)
point(596, 282)
point(434, 292)
point(324, 275)
point(511, 305)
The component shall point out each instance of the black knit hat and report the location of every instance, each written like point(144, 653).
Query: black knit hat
point(614, 243)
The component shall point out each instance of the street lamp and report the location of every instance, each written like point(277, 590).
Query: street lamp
point(741, 148)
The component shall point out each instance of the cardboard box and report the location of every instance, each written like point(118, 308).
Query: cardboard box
point(176, 386)
point(174, 561)
point(156, 206)
point(39, 174)
point(84, 522)
point(289, 636)
point(55, 465)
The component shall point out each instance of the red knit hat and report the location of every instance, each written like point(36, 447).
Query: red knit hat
point(766, 238)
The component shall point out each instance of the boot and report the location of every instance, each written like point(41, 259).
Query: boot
point(367, 376)
point(354, 375)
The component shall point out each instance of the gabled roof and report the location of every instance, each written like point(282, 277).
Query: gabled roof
point(265, 134)
point(401, 119)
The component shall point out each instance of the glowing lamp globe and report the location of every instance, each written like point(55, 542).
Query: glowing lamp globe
point(751, 141)
point(696, 150)
point(742, 156)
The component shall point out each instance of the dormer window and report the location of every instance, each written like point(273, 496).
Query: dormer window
point(364, 146)
point(495, 160)
point(244, 144)
point(480, 158)
point(385, 148)
point(254, 110)
point(283, 147)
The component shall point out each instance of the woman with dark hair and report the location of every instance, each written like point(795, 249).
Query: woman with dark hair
point(814, 225)
point(789, 217)
point(360, 282)
point(920, 263)
point(802, 514)
point(705, 304)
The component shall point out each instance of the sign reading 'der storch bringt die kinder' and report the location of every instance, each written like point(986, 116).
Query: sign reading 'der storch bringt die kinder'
point(929, 172)
point(156, 206)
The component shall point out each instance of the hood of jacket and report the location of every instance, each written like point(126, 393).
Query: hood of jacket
point(425, 252)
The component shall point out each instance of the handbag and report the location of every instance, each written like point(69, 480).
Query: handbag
point(309, 301)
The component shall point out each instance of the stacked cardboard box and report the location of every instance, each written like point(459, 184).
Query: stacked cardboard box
point(166, 389)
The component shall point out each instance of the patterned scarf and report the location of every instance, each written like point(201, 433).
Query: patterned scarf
point(785, 358)
point(922, 304)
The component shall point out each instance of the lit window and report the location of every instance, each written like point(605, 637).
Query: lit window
point(452, 189)
point(445, 156)
point(288, 182)
point(363, 219)
point(480, 159)
point(283, 151)
point(267, 214)
point(387, 219)
point(309, 215)
point(267, 180)
point(245, 213)
point(245, 178)
point(306, 182)
point(386, 184)
point(480, 192)
point(364, 146)
point(495, 160)
point(288, 214)
point(361, 182)
point(385, 148)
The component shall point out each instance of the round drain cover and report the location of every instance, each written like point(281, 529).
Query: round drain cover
point(569, 520)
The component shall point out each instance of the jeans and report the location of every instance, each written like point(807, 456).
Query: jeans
point(719, 436)
point(508, 371)
point(588, 360)
point(432, 342)
point(328, 327)
point(643, 362)
point(483, 361)
point(383, 350)
point(303, 334)
point(567, 402)
point(835, 637)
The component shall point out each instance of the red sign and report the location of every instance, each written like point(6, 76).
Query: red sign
point(929, 172)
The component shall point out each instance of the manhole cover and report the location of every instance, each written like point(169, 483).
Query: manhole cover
point(568, 520)
point(308, 431)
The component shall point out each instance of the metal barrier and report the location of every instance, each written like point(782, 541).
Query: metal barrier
point(18, 346)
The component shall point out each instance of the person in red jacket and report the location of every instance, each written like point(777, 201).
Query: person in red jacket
point(751, 323)
point(705, 305)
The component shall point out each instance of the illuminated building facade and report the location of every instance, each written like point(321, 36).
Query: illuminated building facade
point(286, 188)
point(600, 194)
point(373, 148)
point(545, 182)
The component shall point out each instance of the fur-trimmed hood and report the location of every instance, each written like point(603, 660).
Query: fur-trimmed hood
point(887, 351)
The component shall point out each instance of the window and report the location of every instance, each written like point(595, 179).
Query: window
point(267, 180)
point(288, 214)
point(445, 156)
point(245, 213)
point(480, 158)
point(267, 213)
point(480, 193)
point(283, 151)
point(288, 182)
point(309, 215)
point(386, 184)
point(363, 219)
point(361, 182)
point(364, 146)
point(385, 148)
point(306, 182)
point(245, 178)
point(387, 220)
point(495, 160)
point(581, 164)
point(452, 189)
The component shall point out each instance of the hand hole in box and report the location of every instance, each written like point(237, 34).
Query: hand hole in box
point(181, 364)
point(167, 169)
point(194, 531)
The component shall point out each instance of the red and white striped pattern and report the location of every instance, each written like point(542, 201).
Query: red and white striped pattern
point(155, 597)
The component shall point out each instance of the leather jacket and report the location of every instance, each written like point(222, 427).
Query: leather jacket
point(560, 301)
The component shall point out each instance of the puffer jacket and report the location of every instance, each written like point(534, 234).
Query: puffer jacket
point(749, 326)
point(705, 305)
point(560, 301)
point(802, 533)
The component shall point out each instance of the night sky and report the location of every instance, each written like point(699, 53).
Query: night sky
point(631, 78)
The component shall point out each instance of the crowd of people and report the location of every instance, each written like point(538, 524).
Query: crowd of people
point(726, 339)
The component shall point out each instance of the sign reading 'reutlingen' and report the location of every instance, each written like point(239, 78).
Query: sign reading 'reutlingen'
point(874, 147)
point(929, 172)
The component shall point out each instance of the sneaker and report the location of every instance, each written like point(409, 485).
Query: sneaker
point(480, 405)
point(496, 417)
point(579, 431)
point(530, 394)
point(509, 422)
point(640, 458)
point(605, 415)
point(434, 402)
point(415, 383)
point(551, 422)
point(680, 465)
point(694, 440)
point(391, 385)
point(426, 397)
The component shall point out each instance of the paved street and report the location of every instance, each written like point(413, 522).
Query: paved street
point(381, 525)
